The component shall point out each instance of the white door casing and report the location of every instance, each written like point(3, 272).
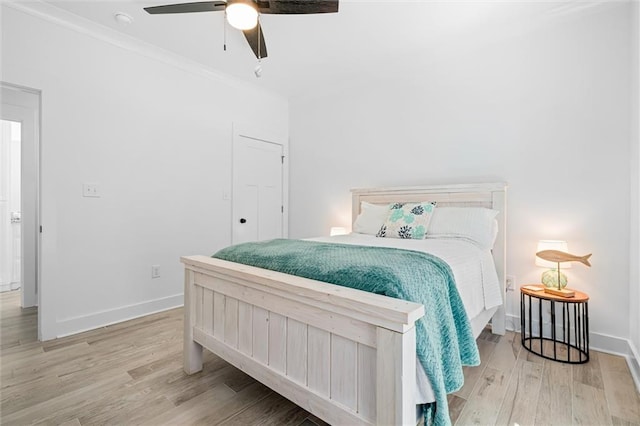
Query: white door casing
point(257, 200)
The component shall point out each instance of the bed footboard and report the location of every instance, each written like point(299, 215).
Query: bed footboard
point(344, 355)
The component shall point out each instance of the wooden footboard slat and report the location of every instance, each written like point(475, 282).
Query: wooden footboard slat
point(207, 310)
point(261, 335)
point(277, 342)
point(344, 370)
point(297, 351)
point(319, 360)
point(367, 382)
point(231, 321)
point(245, 324)
point(218, 315)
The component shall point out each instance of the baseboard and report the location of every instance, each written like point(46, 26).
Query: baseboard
point(609, 344)
point(634, 364)
point(513, 323)
point(69, 326)
point(9, 287)
point(618, 346)
point(602, 343)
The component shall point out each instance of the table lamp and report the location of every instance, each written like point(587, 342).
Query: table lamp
point(337, 230)
point(550, 254)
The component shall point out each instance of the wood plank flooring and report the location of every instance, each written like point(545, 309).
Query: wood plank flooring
point(131, 373)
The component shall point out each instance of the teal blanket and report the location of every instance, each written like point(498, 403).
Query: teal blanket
point(444, 341)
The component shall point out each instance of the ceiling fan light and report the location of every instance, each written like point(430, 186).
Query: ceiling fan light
point(242, 15)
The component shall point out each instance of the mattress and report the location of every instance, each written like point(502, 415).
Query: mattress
point(473, 270)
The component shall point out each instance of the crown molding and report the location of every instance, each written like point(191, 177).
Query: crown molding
point(55, 15)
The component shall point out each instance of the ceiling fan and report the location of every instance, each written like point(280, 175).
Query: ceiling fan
point(243, 14)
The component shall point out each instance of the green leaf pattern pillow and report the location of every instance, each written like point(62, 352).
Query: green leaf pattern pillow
point(407, 220)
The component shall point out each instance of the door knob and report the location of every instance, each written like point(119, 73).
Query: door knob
point(243, 220)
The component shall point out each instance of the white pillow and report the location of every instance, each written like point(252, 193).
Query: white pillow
point(476, 224)
point(371, 218)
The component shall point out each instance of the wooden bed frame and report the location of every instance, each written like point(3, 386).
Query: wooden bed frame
point(345, 355)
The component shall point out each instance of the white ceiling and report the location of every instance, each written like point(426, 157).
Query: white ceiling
point(366, 42)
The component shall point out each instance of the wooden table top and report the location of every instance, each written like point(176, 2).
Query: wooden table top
point(579, 296)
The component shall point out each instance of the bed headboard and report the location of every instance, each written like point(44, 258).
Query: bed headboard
point(490, 195)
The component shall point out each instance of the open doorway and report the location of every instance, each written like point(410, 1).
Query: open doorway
point(10, 206)
point(19, 193)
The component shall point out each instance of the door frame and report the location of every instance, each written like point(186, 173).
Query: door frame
point(18, 99)
point(263, 135)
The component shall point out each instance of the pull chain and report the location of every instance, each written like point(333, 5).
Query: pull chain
point(259, 32)
point(224, 26)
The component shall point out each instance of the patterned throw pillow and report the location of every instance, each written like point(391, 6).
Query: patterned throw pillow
point(407, 220)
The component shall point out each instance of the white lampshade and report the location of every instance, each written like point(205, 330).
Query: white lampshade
point(338, 230)
point(241, 15)
point(552, 245)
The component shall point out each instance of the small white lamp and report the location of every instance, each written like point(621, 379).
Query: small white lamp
point(338, 230)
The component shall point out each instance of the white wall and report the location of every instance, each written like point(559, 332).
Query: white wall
point(157, 139)
point(546, 110)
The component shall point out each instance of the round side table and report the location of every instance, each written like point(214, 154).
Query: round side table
point(555, 327)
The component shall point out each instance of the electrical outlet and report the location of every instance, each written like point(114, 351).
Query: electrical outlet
point(155, 271)
point(511, 282)
point(91, 190)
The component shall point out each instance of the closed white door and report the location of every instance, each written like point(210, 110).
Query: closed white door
point(257, 212)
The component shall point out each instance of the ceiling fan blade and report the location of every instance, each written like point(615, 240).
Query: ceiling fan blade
point(255, 37)
point(201, 6)
point(297, 7)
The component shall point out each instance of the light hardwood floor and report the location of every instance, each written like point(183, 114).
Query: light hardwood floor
point(131, 373)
